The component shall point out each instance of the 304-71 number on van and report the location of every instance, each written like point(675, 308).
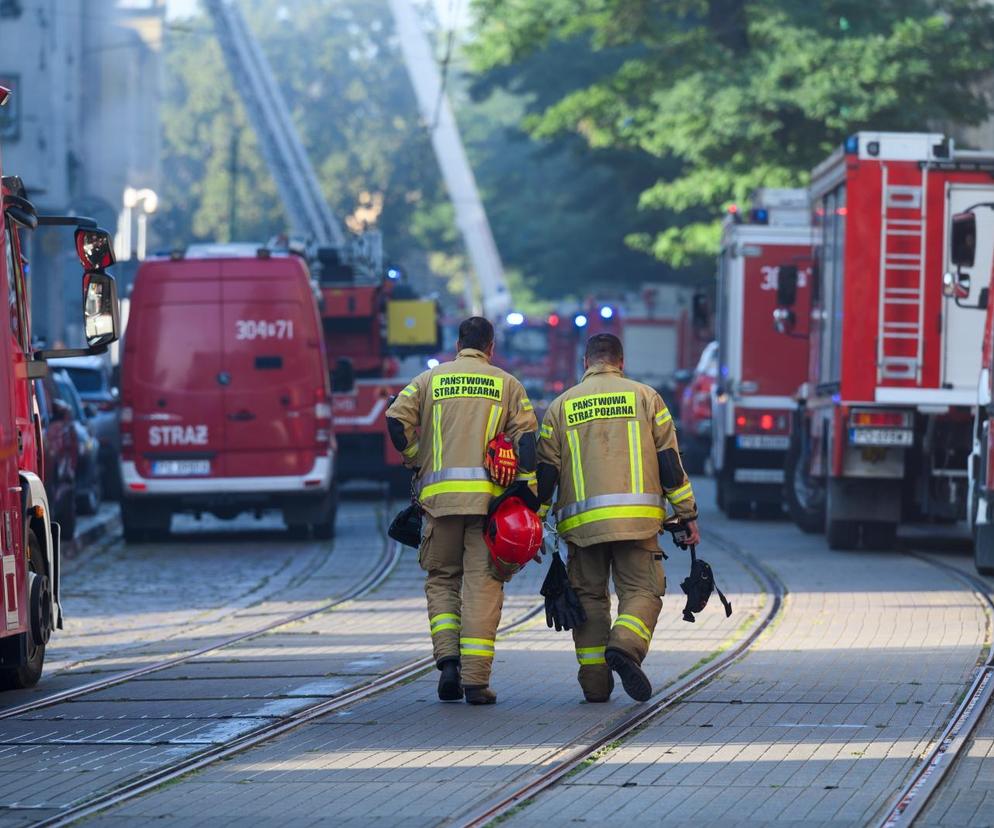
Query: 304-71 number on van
point(263, 329)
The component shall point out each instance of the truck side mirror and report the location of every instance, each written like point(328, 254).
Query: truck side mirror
point(963, 244)
point(101, 320)
point(342, 376)
point(93, 247)
point(787, 285)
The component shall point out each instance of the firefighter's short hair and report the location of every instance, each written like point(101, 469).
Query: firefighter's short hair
point(604, 347)
point(476, 332)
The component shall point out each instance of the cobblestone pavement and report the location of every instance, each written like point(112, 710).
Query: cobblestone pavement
point(821, 723)
point(403, 757)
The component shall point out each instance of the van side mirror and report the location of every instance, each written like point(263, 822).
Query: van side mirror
point(963, 240)
point(787, 285)
point(101, 320)
point(342, 376)
point(94, 249)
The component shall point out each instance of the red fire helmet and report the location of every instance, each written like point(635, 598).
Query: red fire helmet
point(512, 532)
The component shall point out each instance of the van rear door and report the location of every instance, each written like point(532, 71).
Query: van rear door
point(272, 357)
point(173, 356)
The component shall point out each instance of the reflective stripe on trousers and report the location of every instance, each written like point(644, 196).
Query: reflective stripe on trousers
point(465, 480)
point(444, 621)
point(630, 622)
point(476, 647)
point(591, 655)
point(606, 507)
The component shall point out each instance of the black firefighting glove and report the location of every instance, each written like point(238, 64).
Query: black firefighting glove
point(698, 586)
point(562, 606)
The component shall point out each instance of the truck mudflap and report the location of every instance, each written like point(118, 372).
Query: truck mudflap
point(49, 535)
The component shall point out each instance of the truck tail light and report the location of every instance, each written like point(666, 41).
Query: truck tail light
point(127, 433)
point(879, 418)
point(322, 418)
point(762, 422)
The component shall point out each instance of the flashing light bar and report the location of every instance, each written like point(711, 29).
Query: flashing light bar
point(554, 320)
point(432, 363)
point(515, 318)
point(607, 312)
point(580, 320)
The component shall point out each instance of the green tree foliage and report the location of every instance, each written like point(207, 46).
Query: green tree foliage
point(734, 94)
point(347, 89)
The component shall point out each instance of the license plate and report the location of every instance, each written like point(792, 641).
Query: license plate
point(763, 441)
point(181, 468)
point(881, 436)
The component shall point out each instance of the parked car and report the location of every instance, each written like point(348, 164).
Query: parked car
point(695, 411)
point(92, 378)
point(89, 486)
point(61, 454)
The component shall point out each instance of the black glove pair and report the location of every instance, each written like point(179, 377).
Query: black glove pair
point(698, 586)
point(562, 606)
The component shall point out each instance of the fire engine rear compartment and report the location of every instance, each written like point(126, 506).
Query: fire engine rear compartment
point(887, 413)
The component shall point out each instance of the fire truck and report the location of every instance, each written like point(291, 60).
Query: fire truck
point(883, 426)
point(371, 321)
point(30, 544)
point(542, 352)
point(976, 225)
point(758, 371)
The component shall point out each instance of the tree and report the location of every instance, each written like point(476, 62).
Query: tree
point(737, 94)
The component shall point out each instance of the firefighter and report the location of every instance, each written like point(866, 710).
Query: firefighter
point(610, 445)
point(468, 430)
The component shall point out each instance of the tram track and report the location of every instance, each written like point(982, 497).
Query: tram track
point(927, 777)
point(569, 758)
point(389, 558)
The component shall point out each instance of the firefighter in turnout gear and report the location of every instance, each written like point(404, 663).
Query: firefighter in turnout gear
point(610, 445)
point(446, 423)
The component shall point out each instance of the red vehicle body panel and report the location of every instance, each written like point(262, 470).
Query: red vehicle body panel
point(224, 362)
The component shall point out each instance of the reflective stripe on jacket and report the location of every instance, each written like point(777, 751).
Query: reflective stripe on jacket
point(449, 415)
point(602, 436)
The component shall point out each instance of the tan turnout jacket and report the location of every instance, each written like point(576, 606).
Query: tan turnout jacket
point(449, 415)
point(602, 436)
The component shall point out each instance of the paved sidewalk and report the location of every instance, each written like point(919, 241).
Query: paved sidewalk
point(821, 723)
point(404, 758)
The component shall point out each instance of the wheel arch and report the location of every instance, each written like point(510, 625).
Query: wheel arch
point(33, 495)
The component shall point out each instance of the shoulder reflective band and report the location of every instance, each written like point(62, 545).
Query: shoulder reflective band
point(411, 450)
point(526, 405)
point(663, 417)
point(680, 495)
point(630, 622)
point(476, 647)
point(436, 437)
point(545, 431)
point(444, 621)
point(493, 421)
point(610, 507)
point(599, 407)
point(410, 390)
point(527, 476)
point(470, 480)
point(591, 655)
point(635, 455)
point(447, 386)
point(579, 490)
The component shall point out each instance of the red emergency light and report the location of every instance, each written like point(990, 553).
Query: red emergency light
point(553, 319)
point(880, 418)
point(762, 422)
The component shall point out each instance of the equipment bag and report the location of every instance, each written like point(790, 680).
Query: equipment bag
point(698, 586)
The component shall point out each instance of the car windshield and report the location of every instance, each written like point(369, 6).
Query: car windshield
point(86, 380)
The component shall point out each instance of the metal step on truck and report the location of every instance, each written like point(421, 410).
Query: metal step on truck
point(884, 424)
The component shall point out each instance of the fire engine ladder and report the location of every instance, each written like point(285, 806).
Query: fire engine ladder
point(308, 212)
point(901, 315)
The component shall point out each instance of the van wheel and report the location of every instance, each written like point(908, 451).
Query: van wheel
point(983, 548)
point(298, 531)
point(879, 535)
point(730, 499)
point(324, 529)
point(28, 674)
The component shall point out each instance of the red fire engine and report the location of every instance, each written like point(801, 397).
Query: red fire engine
point(758, 371)
point(975, 225)
point(883, 426)
point(369, 323)
point(541, 352)
point(29, 538)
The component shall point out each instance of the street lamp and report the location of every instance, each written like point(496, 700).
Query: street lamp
point(149, 201)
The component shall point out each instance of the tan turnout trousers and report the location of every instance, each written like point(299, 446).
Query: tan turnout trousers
point(637, 569)
point(464, 598)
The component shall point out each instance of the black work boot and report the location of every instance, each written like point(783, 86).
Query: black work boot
point(449, 683)
point(635, 682)
point(480, 695)
point(601, 695)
